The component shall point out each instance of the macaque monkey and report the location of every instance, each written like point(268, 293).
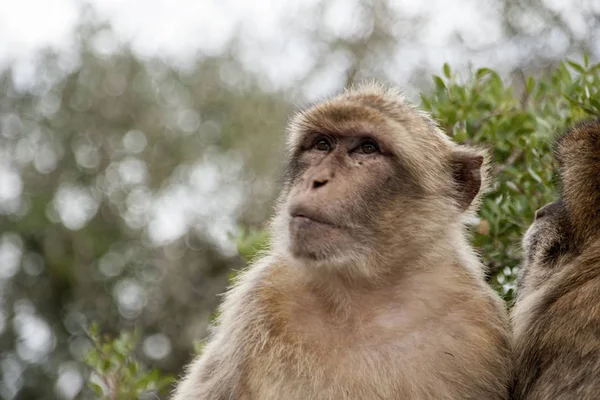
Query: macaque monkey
point(370, 288)
point(556, 318)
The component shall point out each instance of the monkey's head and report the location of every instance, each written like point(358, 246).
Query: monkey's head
point(564, 228)
point(372, 179)
point(545, 246)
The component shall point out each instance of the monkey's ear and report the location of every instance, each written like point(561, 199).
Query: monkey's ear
point(469, 169)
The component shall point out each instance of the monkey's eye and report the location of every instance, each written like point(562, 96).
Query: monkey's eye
point(322, 144)
point(368, 147)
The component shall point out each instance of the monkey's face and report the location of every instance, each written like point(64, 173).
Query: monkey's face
point(370, 181)
point(338, 188)
point(545, 246)
point(349, 201)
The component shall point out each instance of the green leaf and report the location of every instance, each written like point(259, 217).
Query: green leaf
point(576, 67)
point(439, 83)
point(534, 175)
point(482, 72)
point(97, 389)
point(447, 70)
point(530, 84)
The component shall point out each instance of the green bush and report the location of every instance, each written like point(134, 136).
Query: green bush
point(518, 129)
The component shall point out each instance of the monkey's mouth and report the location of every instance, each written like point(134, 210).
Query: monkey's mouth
point(302, 217)
point(305, 220)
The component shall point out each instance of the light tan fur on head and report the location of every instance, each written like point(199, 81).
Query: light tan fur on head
point(449, 184)
point(370, 289)
point(409, 130)
point(556, 318)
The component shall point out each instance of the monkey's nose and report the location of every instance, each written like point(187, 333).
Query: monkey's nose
point(317, 183)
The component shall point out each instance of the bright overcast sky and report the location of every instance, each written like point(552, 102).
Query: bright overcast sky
point(151, 26)
point(183, 29)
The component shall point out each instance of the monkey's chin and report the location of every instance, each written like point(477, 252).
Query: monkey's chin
point(315, 240)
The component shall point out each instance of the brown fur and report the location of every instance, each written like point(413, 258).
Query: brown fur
point(556, 317)
point(384, 299)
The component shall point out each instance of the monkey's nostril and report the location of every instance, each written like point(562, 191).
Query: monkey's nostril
point(318, 184)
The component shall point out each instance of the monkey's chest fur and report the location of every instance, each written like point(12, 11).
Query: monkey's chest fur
point(406, 348)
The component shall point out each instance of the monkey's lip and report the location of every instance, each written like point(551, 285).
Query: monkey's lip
point(304, 216)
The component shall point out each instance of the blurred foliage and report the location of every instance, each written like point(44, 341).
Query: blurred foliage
point(117, 374)
point(119, 183)
point(124, 176)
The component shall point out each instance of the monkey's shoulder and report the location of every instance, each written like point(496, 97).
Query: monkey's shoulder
point(280, 297)
point(568, 298)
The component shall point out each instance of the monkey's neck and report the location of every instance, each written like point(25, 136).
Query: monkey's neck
point(340, 296)
point(343, 295)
